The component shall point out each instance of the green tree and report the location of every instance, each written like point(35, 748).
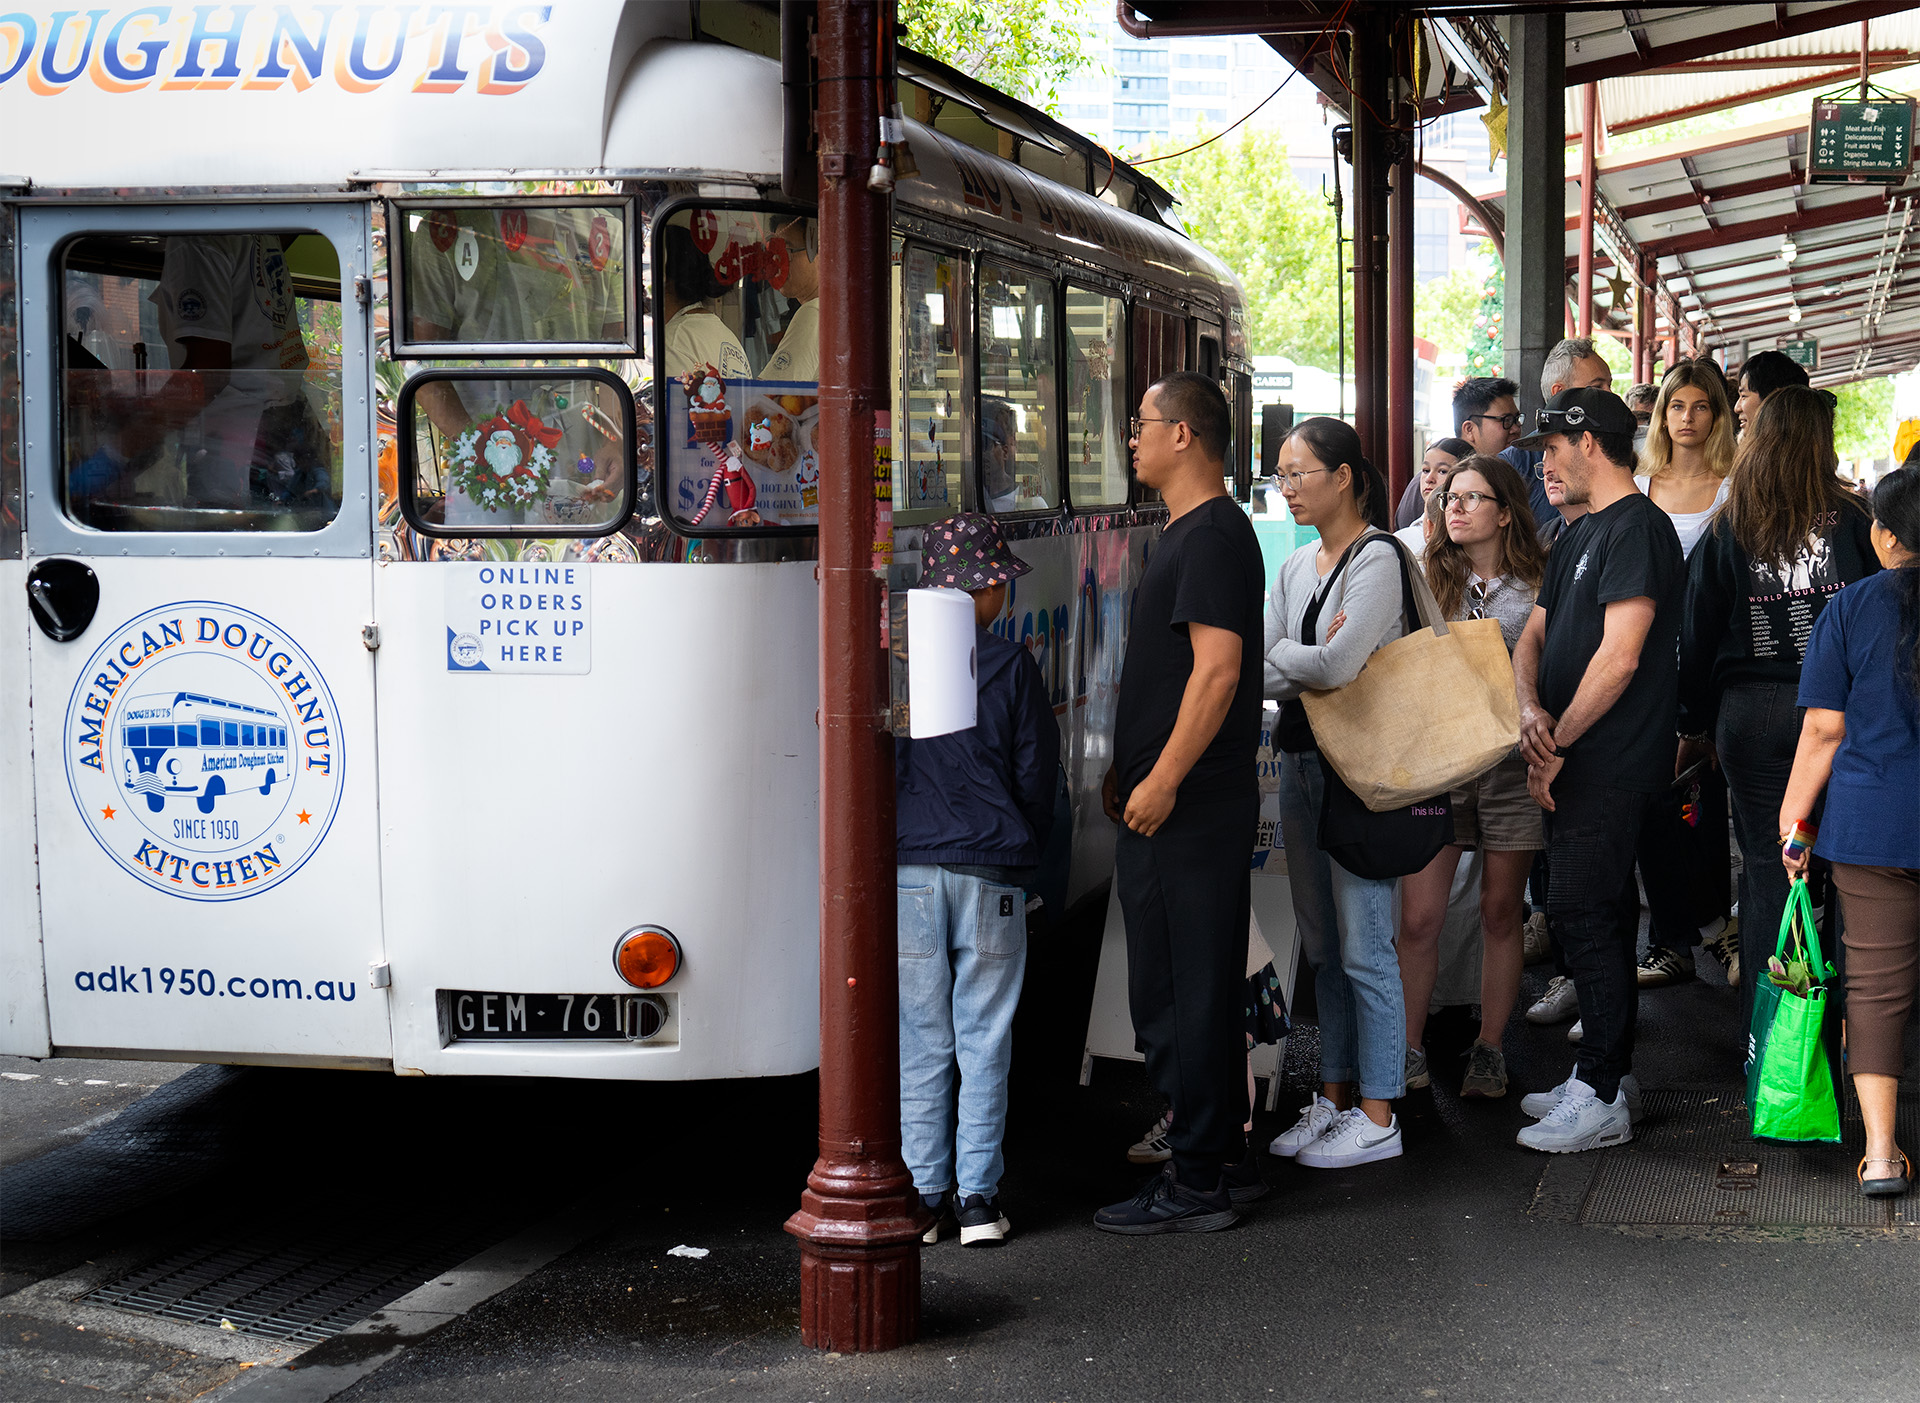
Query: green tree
point(1863, 420)
point(1026, 48)
point(1239, 199)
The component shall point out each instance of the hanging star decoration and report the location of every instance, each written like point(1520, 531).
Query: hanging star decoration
point(1622, 293)
point(1495, 121)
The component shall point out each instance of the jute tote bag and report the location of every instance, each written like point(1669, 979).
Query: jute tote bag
point(1430, 711)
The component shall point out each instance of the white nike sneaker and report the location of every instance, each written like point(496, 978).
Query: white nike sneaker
point(1353, 1139)
point(1540, 1104)
point(1315, 1117)
point(1580, 1121)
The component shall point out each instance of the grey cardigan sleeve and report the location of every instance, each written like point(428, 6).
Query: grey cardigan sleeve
point(1276, 686)
point(1369, 594)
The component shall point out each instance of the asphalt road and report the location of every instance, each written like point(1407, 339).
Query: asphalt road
point(1425, 1277)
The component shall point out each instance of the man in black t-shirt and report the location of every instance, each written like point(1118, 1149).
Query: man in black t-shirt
point(1184, 789)
point(1596, 672)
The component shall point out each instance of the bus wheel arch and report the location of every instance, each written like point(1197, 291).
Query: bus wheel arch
point(215, 788)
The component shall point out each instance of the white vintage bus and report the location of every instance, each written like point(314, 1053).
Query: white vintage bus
point(407, 496)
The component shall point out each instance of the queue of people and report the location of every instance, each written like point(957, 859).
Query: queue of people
point(1715, 605)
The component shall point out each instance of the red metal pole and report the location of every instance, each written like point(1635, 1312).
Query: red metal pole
point(858, 1221)
point(1589, 138)
point(1369, 62)
point(1400, 428)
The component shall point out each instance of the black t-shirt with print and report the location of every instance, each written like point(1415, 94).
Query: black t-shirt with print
point(1204, 569)
point(1628, 551)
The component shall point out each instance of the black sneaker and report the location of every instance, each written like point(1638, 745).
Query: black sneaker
point(1164, 1204)
point(945, 1222)
point(982, 1224)
point(1242, 1179)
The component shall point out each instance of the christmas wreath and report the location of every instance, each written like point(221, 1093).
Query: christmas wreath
point(506, 460)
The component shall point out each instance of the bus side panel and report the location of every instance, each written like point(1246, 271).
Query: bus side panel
point(23, 984)
point(530, 820)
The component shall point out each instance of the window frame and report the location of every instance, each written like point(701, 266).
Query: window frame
point(44, 232)
point(1123, 381)
point(966, 259)
point(405, 441)
point(403, 348)
point(657, 358)
point(1065, 506)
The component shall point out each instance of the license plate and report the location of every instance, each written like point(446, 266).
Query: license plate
point(475, 1015)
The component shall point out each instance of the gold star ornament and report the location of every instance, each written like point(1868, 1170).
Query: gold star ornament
point(1494, 119)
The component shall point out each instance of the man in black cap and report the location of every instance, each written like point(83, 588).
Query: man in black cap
point(1596, 674)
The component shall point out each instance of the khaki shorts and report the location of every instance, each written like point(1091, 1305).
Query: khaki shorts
point(1496, 814)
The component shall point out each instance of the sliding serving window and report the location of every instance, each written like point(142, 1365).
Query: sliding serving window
point(1019, 390)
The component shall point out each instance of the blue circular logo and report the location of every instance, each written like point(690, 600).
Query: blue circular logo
point(204, 751)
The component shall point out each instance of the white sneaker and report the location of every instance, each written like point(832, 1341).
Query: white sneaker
point(1577, 1031)
point(1315, 1117)
point(1353, 1139)
point(1535, 946)
point(1153, 1148)
point(1540, 1104)
point(1581, 1121)
point(1558, 1004)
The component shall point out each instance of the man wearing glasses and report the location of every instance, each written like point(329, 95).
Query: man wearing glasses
point(1184, 791)
point(1486, 416)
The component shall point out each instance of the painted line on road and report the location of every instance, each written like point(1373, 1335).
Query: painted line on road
point(335, 1365)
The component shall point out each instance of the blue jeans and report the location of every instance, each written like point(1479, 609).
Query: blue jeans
point(1347, 931)
point(963, 953)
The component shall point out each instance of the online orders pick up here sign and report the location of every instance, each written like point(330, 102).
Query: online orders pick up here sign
point(514, 617)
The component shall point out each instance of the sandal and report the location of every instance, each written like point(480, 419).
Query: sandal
point(1892, 1186)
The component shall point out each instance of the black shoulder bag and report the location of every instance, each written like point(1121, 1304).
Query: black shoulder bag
point(1398, 842)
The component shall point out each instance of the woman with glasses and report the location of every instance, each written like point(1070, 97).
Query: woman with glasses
point(1488, 564)
point(1684, 863)
point(1791, 536)
point(1345, 921)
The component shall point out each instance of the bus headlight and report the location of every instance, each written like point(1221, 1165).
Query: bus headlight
point(646, 957)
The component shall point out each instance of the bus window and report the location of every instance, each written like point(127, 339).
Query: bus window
point(136, 735)
point(1019, 457)
point(739, 313)
point(201, 381)
point(932, 446)
point(524, 453)
point(1097, 410)
point(189, 734)
point(540, 276)
point(209, 733)
point(231, 731)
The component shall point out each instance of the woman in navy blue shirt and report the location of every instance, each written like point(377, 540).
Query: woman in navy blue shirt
point(1861, 744)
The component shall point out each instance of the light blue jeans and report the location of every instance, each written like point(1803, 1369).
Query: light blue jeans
point(1347, 930)
point(963, 953)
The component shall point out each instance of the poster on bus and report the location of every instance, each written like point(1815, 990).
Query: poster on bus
point(741, 453)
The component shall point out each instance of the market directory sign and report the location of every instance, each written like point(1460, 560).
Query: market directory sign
point(1865, 139)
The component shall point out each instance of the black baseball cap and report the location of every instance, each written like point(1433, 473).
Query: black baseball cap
point(1580, 412)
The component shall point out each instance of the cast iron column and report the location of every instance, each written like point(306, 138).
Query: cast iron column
point(858, 1227)
point(1405, 111)
point(1589, 148)
point(1534, 310)
point(1370, 66)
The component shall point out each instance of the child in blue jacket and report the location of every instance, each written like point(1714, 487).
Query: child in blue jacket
point(974, 809)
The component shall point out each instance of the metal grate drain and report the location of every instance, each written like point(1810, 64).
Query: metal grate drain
point(301, 1290)
point(1692, 1169)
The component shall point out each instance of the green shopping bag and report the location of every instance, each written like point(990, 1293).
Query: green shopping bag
point(1790, 1083)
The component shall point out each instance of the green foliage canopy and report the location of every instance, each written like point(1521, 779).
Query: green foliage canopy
point(1026, 48)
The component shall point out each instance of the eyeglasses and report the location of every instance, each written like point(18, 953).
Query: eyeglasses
point(1470, 501)
point(1138, 421)
point(1505, 421)
point(1296, 480)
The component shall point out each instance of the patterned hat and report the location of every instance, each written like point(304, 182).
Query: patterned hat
point(966, 551)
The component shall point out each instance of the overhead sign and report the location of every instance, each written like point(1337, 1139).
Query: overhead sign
point(1272, 380)
point(1868, 142)
point(1803, 351)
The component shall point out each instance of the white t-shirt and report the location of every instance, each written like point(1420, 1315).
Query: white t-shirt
point(798, 356)
point(696, 337)
point(234, 288)
point(1415, 536)
point(1689, 526)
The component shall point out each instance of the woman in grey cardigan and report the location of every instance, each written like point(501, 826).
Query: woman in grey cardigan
point(1346, 922)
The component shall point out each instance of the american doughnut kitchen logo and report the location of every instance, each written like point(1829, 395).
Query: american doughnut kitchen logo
point(204, 751)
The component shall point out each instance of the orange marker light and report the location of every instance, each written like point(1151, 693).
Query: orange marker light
point(646, 957)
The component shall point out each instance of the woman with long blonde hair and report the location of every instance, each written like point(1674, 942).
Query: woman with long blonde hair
point(1690, 446)
point(1684, 861)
